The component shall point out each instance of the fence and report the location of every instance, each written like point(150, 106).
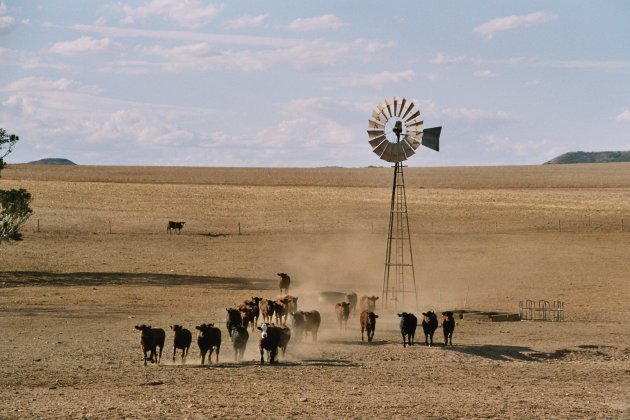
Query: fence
point(542, 310)
point(233, 226)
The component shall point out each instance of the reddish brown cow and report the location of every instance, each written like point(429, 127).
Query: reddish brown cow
point(342, 309)
point(282, 310)
point(150, 340)
point(368, 324)
point(181, 340)
point(267, 309)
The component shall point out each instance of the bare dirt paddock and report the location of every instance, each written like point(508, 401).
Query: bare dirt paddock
point(483, 239)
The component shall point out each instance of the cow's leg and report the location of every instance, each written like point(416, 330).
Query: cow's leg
point(413, 337)
point(218, 348)
point(144, 353)
point(272, 356)
point(262, 356)
point(361, 333)
point(404, 340)
point(203, 357)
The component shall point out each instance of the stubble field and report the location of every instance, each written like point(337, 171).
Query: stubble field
point(96, 260)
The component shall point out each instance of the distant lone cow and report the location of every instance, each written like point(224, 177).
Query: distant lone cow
point(284, 283)
point(368, 324)
point(342, 309)
point(368, 303)
point(209, 338)
point(181, 340)
point(429, 325)
point(408, 324)
point(240, 336)
point(448, 326)
point(150, 340)
point(174, 226)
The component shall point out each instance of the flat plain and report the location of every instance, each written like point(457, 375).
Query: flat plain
point(96, 260)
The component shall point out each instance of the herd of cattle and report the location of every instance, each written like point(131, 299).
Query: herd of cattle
point(275, 336)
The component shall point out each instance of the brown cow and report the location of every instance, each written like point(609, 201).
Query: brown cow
point(284, 283)
point(342, 309)
point(368, 303)
point(368, 324)
point(351, 298)
point(272, 338)
point(174, 226)
point(292, 303)
point(303, 322)
point(150, 340)
point(282, 310)
point(267, 309)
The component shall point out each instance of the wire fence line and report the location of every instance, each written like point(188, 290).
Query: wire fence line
point(234, 226)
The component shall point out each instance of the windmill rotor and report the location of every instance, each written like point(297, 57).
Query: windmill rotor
point(395, 130)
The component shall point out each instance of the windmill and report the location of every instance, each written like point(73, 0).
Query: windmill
point(395, 132)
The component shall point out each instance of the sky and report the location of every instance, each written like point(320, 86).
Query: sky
point(293, 83)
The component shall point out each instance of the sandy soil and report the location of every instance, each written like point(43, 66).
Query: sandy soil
point(71, 293)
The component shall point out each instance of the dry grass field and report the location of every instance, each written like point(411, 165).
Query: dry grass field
point(483, 239)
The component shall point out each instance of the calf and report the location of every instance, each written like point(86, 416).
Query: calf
point(368, 303)
point(342, 309)
point(267, 309)
point(209, 338)
point(181, 340)
point(429, 325)
point(292, 303)
point(150, 340)
point(240, 336)
point(297, 325)
point(282, 310)
point(368, 324)
point(174, 226)
point(273, 338)
point(448, 326)
point(284, 283)
point(351, 298)
point(233, 319)
point(408, 324)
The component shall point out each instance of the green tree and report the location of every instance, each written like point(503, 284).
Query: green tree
point(14, 204)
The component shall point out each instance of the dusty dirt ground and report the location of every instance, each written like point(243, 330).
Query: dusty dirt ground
point(71, 293)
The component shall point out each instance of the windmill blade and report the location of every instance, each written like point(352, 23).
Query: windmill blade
point(376, 124)
point(386, 154)
point(431, 138)
point(375, 132)
point(415, 115)
point(396, 105)
point(407, 149)
point(376, 142)
point(381, 109)
point(389, 109)
point(402, 106)
point(417, 123)
point(377, 117)
point(413, 142)
point(408, 110)
point(380, 148)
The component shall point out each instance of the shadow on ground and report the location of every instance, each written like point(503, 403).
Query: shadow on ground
point(36, 278)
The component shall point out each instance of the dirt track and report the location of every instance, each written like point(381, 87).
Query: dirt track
point(69, 300)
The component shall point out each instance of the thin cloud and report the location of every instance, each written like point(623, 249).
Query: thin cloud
point(316, 23)
point(245, 22)
point(484, 74)
point(85, 45)
point(473, 114)
point(376, 79)
point(189, 14)
point(443, 59)
point(8, 23)
point(624, 116)
point(489, 28)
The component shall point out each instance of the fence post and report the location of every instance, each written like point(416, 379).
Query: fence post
point(559, 226)
point(110, 226)
point(239, 228)
point(38, 226)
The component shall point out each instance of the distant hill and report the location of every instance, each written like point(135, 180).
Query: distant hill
point(52, 161)
point(591, 157)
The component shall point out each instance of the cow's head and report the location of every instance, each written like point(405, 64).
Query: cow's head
point(447, 314)
point(372, 316)
point(143, 327)
point(429, 315)
point(263, 330)
point(176, 327)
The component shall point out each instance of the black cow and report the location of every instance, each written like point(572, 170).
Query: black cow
point(209, 338)
point(240, 336)
point(181, 340)
point(233, 319)
point(174, 226)
point(429, 325)
point(150, 340)
point(408, 324)
point(272, 338)
point(448, 326)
